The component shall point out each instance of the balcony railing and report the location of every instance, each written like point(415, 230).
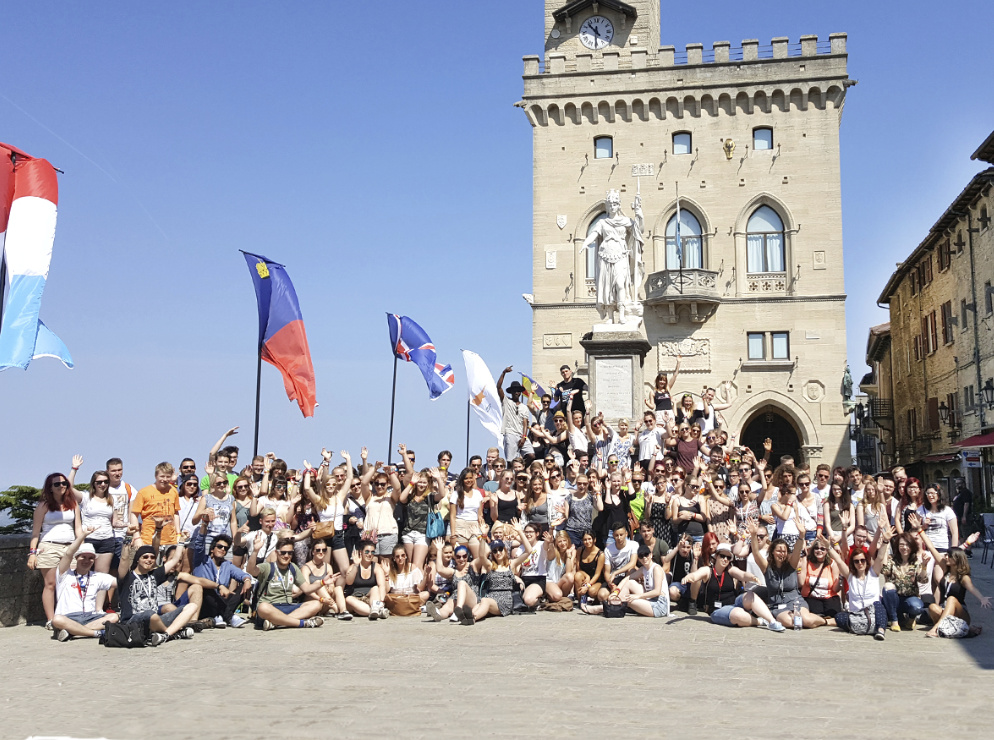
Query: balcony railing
point(692, 287)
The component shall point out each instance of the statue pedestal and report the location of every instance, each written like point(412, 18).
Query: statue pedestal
point(616, 355)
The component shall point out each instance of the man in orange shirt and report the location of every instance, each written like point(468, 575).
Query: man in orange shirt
point(158, 502)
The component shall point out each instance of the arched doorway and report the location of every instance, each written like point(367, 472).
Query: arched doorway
point(770, 422)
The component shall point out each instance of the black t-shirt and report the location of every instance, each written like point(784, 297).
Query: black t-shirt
point(139, 593)
point(575, 387)
point(960, 501)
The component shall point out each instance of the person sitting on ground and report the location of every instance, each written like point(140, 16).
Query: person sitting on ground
point(678, 563)
point(561, 568)
point(468, 608)
point(139, 592)
point(534, 568)
point(589, 573)
point(181, 588)
point(721, 597)
point(620, 561)
point(317, 568)
point(950, 616)
point(278, 584)
point(864, 587)
point(403, 581)
point(80, 593)
point(220, 600)
point(780, 568)
point(820, 587)
point(362, 589)
point(646, 591)
point(905, 571)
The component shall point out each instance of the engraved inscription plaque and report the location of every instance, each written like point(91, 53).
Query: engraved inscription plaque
point(613, 387)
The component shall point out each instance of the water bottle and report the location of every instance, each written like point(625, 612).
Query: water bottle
point(797, 615)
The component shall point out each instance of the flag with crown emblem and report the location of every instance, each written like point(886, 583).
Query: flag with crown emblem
point(483, 393)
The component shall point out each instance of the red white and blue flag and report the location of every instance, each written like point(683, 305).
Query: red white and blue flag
point(29, 197)
point(282, 338)
point(410, 343)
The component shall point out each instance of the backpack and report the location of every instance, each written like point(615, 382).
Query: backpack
point(127, 635)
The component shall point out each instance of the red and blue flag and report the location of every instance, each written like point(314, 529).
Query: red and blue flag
point(282, 338)
point(411, 343)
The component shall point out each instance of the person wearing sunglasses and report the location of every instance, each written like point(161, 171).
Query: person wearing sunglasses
point(220, 599)
point(56, 525)
point(188, 488)
point(645, 591)
point(719, 584)
point(863, 580)
point(469, 608)
point(81, 593)
point(382, 487)
point(96, 509)
point(139, 579)
point(278, 584)
point(820, 587)
point(362, 589)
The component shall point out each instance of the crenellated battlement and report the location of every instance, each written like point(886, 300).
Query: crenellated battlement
point(693, 55)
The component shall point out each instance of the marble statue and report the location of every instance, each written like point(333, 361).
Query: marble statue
point(618, 274)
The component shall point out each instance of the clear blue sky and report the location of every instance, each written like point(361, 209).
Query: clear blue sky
point(336, 138)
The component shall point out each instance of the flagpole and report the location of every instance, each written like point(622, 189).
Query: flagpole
point(258, 395)
point(393, 400)
point(3, 282)
point(467, 431)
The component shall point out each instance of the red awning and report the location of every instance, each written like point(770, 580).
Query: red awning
point(945, 457)
point(978, 440)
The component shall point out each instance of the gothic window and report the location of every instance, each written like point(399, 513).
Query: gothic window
point(690, 242)
point(765, 241)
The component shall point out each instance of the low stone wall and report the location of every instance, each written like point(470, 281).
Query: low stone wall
point(20, 588)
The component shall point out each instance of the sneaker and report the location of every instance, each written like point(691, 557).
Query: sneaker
point(236, 621)
point(453, 618)
point(48, 625)
point(762, 622)
point(63, 636)
point(219, 622)
point(384, 612)
point(313, 622)
point(186, 633)
point(692, 608)
point(267, 625)
point(374, 614)
point(879, 634)
point(157, 639)
point(432, 611)
point(344, 616)
point(775, 626)
point(200, 625)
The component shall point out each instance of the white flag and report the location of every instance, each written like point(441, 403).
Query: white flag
point(483, 393)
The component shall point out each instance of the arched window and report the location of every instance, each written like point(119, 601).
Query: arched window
point(764, 241)
point(682, 143)
point(762, 138)
point(603, 147)
point(690, 242)
point(591, 255)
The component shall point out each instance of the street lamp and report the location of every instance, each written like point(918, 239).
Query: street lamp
point(988, 391)
point(944, 412)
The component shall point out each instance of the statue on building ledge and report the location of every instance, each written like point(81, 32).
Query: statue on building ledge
point(618, 273)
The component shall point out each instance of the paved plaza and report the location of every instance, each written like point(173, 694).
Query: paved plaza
point(543, 674)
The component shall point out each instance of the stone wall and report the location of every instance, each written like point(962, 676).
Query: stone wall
point(20, 588)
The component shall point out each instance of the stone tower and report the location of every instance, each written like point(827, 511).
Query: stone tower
point(751, 297)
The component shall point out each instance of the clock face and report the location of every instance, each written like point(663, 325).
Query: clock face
point(596, 32)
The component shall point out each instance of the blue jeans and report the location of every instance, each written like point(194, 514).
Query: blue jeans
point(902, 608)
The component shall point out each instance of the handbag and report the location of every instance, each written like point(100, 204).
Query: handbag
point(862, 622)
point(323, 530)
point(615, 611)
point(436, 524)
point(128, 635)
point(403, 605)
point(370, 535)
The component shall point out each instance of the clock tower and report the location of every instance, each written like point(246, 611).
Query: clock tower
point(736, 267)
point(595, 26)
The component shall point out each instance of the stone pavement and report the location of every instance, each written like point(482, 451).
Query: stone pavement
point(546, 673)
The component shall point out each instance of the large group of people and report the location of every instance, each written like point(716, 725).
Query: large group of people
point(569, 513)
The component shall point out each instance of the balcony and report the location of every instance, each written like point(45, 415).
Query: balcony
point(695, 288)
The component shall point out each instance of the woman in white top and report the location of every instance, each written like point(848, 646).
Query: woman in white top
point(97, 512)
point(330, 503)
point(466, 513)
point(864, 583)
point(384, 493)
point(561, 567)
point(403, 578)
point(872, 511)
point(56, 525)
point(189, 498)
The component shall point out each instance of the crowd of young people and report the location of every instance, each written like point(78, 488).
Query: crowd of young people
point(568, 514)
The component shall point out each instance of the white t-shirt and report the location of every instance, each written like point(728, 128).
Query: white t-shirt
point(537, 563)
point(123, 496)
point(79, 594)
point(863, 593)
point(471, 503)
point(95, 512)
point(620, 558)
point(556, 503)
point(705, 422)
point(938, 525)
point(648, 439)
point(407, 584)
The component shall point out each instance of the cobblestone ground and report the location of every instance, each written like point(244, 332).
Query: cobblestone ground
point(544, 673)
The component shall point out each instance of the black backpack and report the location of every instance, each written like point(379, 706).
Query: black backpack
point(128, 635)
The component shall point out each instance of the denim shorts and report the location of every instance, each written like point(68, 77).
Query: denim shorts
point(107, 546)
point(681, 587)
point(85, 617)
point(385, 543)
point(723, 616)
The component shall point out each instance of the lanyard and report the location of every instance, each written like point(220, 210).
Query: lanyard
point(146, 585)
point(721, 583)
point(83, 584)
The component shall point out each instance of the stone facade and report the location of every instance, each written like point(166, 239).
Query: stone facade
point(20, 588)
point(732, 102)
point(941, 351)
